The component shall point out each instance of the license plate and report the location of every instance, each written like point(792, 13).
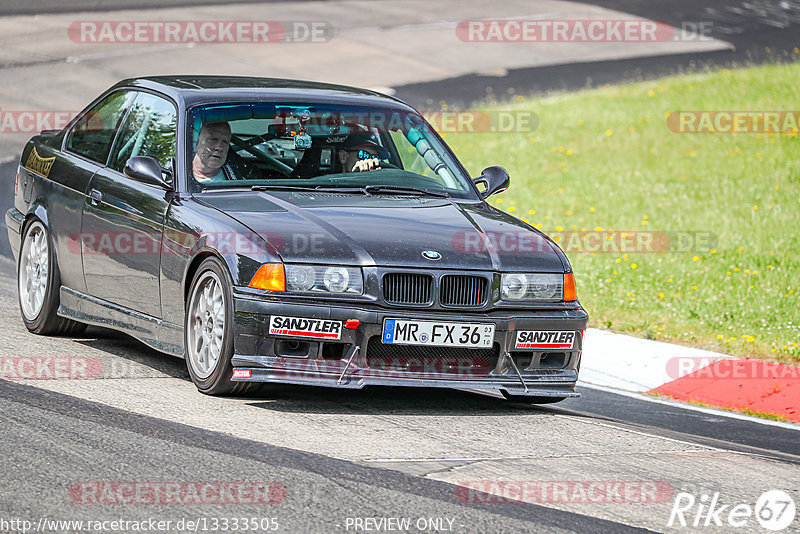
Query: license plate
point(434, 333)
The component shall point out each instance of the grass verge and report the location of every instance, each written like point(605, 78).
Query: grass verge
point(603, 163)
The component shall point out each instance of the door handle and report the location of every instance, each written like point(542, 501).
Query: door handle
point(95, 197)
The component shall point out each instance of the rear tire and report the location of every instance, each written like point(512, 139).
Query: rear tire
point(39, 284)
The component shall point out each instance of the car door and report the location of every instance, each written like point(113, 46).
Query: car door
point(85, 151)
point(124, 218)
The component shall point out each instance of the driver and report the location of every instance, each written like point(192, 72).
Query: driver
point(211, 152)
point(361, 152)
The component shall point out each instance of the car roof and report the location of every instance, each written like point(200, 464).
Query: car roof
point(190, 90)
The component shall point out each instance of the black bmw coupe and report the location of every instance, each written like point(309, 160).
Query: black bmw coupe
point(283, 231)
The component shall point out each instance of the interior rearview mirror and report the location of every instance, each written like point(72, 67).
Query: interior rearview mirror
point(494, 179)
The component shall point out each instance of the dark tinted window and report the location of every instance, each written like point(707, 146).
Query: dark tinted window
point(148, 130)
point(93, 134)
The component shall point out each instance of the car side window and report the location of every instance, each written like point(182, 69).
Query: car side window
point(148, 130)
point(92, 135)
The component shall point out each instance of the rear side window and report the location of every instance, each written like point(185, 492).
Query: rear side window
point(92, 135)
point(148, 130)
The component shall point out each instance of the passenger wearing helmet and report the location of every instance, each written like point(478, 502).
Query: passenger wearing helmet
point(361, 152)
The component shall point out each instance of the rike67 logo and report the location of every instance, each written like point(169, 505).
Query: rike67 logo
point(774, 510)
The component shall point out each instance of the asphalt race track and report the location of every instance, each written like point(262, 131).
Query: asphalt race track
point(344, 455)
point(349, 461)
point(755, 31)
point(372, 453)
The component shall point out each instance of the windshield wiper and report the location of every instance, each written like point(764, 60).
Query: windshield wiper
point(317, 189)
point(404, 189)
point(367, 189)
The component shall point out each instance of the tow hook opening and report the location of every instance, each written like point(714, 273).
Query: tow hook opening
point(293, 348)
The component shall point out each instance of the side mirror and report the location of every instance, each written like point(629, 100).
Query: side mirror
point(146, 170)
point(495, 179)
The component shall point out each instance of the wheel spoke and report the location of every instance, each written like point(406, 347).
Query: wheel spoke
point(209, 358)
point(207, 296)
point(42, 244)
point(217, 297)
point(37, 245)
point(37, 299)
point(204, 356)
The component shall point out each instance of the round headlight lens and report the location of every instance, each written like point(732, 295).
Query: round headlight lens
point(336, 279)
point(544, 289)
point(514, 286)
point(300, 278)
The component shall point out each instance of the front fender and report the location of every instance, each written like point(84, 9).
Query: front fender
point(194, 231)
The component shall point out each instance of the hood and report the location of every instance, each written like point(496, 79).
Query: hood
point(384, 230)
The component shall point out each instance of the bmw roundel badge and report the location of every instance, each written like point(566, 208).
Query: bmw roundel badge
point(431, 255)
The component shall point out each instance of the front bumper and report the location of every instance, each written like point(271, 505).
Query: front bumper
point(358, 357)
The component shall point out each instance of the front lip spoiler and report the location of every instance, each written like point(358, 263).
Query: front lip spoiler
point(558, 384)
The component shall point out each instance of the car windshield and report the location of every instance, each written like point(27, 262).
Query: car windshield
point(285, 146)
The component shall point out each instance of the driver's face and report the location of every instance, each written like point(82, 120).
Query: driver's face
point(212, 146)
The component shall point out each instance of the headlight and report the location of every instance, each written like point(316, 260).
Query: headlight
point(514, 286)
point(519, 286)
point(336, 279)
point(324, 279)
point(300, 278)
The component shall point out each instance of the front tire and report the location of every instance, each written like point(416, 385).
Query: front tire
point(39, 283)
point(208, 331)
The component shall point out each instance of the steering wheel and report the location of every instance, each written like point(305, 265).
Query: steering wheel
point(247, 146)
